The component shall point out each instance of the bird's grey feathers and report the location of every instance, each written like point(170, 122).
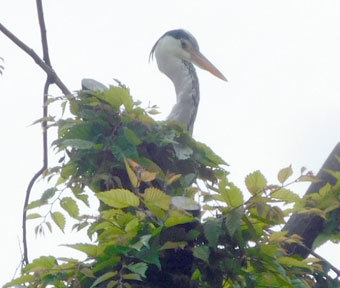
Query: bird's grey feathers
point(92, 85)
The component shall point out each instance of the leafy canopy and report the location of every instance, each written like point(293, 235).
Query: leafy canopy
point(150, 230)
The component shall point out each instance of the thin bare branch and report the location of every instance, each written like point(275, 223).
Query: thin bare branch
point(51, 78)
point(50, 72)
point(43, 34)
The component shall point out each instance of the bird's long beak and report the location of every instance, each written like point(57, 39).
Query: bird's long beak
point(199, 59)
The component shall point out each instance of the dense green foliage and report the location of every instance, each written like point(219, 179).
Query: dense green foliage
point(150, 231)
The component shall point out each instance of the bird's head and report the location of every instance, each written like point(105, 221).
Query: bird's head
point(180, 44)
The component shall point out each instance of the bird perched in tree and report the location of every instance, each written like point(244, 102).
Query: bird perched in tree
point(176, 52)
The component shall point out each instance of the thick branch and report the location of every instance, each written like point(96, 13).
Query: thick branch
point(50, 72)
point(309, 226)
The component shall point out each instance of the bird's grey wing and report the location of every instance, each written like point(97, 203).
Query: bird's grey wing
point(92, 85)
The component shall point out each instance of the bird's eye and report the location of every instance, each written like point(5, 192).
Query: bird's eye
point(184, 44)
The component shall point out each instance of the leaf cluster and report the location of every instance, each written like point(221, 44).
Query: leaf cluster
point(168, 214)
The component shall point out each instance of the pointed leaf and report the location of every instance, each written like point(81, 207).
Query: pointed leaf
point(309, 178)
point(177, 217)
point(132, 276)
point(150, 256)
point(88, 249)
point(139, 268)
point(44, 262)
point(77, 143)
point(285, 195)
point(33, 216)
point(202, 252)
point(118, 198)
point(157, 198)
point(171, 178)
point(132, 176)
point(87, 272)
point(293, 262)
point(147, 176)
point(284, 174)
point(70, 206)
point(48, 194)
point(104, 277)
point(59, 219)
point(233, 221)
point(21, 280)
point(230, 194)
point(256, 182)
point(117, 96)
point(174, 245)
point(212, 231)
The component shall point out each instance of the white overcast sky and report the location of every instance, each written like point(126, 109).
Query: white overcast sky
point(280, 106)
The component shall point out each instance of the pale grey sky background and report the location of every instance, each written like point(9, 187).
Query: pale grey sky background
point(280, 106)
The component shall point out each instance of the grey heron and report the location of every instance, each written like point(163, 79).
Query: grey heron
point(176, 52)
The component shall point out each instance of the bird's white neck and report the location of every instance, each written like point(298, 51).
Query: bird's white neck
point(184, 77)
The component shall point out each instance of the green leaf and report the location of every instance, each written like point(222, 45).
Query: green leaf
point(68, 170)
point(118, 198)
point(212, 231)
point(256, 182)
point(159, 212)
point(284, 174)
point(83, 197)
point(41, 263)
point(285, 195)
point(21, 280)
point(59, 219)
point(35, 204)
point(48, 194)
point(132, 226)
point(33, 216)
point(309, 178)
point(77, 143)
point(197, 275)
point(270, 249)
point(293, 262)
point(150, 256)
point(144, 241)
point(153, 112)
point(88, 249)
point(104, 277)
point(87, 272)
point(132, 175)
point(139, 268)
point(300, 283)
point(70, 206)
point(117, 96)
point(157, 198)
point(233, 220)
point(176, 217)
point(131, 135)
point(174, 245)
point(202, 252)
point(122, 147)
point(132, 276)
point(210, 158)
point(230, 193)
point(325, 190)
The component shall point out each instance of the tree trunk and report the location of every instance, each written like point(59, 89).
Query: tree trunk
point(309, 226)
